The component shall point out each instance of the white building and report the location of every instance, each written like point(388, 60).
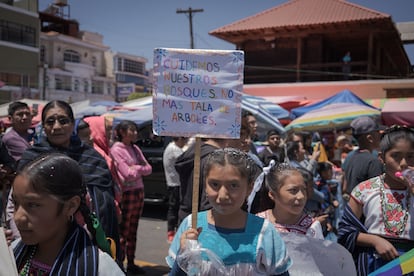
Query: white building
point(129, 72)
point(75, 68)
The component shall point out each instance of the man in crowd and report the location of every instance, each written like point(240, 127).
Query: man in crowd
point(174, 149)
point(18, 138)
point(272, 151)
point(362, 164)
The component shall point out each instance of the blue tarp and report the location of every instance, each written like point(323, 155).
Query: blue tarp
point(140, 116)
point(344, 96)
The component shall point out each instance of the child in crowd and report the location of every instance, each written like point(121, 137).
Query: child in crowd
point(377, 226)
point(246, 244)
point(328, 188)
point(48, 193)
point(130, 165)
point(288, 190)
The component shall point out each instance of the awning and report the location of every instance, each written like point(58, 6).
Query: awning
point(379, 103)
point(398, 112)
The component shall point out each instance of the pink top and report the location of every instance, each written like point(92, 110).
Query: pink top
point(130, 165)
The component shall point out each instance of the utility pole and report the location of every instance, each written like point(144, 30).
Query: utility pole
point(190, 18)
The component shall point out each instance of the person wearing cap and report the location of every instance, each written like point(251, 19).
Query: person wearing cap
point(272, 151)
point(343, 147)
point(362, 164)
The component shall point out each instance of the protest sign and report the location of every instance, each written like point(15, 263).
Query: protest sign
point(197, 92)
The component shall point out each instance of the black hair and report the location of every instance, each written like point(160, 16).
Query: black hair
point(272, 132)
point(292, 148)
point(60, 176)
point(237, 158)
point(277, 175)
point(324, 166)
point(246, 113)
point(14, 106)
point(61, 104)
point(393, 134)
point(123, 126)
point(82, 124)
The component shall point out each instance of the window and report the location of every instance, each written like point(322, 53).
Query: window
point(94, 61)
point(119, 64)
point(85, 86)
point(71, 56)
point(42, 54)
point(97, 87)
point(76, 85)
point(17, 33)
point(58, 83)
point(133, 66)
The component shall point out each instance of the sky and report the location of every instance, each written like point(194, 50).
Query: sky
point(138, 26)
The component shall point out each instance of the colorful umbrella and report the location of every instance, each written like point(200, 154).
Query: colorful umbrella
point(400, 266)
point(331, 116)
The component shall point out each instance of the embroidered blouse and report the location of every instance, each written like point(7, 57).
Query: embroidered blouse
point(385, 215)
point(306, 225)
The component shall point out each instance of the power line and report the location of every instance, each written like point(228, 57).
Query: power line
point(190, 12)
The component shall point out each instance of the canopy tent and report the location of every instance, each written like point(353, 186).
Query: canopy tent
point(400, 113)
point(105, 103)
point(274, 109)
point(344, 96)
point(140, 116)
point(380, 102)
point(332, 116)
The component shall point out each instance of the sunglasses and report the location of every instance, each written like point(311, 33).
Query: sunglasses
point(62, 121)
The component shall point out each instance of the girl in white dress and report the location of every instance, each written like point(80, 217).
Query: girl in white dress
point(378, 223)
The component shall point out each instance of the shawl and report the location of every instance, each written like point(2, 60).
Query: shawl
point(348, 230)
point(78, 256)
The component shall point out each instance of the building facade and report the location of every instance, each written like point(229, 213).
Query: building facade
point(130, 74)
point(74, 68)
point(19, 50)
point(73, 62)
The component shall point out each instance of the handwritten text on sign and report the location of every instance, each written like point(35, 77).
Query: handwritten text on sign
point(197, 92)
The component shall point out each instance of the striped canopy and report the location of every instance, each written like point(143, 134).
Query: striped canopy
point(331, 116)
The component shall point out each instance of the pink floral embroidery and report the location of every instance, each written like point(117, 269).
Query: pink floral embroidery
point(391, 198)
point(394, 215)
point(365, 185)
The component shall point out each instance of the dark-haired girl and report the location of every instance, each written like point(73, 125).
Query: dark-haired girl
point(378, 224)
point(58, 125)
point(246, 244)
point(288, 191)
point(47, 194)
point(130, 165)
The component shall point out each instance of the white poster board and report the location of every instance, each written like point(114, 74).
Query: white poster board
point(197, 92)
point(7, 261)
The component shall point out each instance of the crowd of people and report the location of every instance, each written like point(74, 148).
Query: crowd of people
point(73, 197)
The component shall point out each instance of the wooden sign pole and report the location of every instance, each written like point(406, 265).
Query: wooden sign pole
point(196, 182)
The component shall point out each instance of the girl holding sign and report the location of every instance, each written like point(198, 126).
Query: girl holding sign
point(229, 176)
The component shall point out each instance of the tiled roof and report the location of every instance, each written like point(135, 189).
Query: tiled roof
point(296, 13)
